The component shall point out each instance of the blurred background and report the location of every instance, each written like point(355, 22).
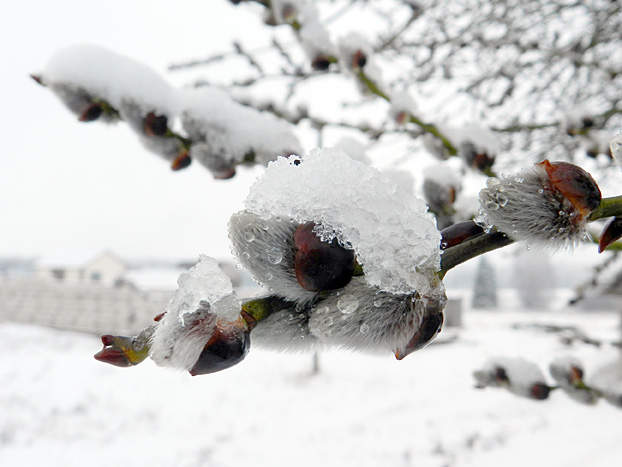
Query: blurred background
point(95, 231)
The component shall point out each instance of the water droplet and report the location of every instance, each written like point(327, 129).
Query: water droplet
point(347, 304)
point(377, 302)
point(364, 328)
point(275, 255)
point(246, 256)
point(249, 235)
point(502, 200)
point(491, 206)
point(269, 276)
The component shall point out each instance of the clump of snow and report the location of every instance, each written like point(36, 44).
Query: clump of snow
point(204, 296)
point(442, 174)
point(402, 179)
point(232, 130)
point(110, 76)
point(393, 235)
point(402, 105)
point(483, 139)
point(314, 37)
point(353, 148)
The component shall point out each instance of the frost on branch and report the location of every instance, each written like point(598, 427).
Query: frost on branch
point(202, 330)
point(547, 204)
point(394, 237)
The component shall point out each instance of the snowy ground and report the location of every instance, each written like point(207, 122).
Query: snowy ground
point(60, 407)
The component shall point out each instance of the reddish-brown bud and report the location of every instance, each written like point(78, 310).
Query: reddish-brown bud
point(321, 265)
point(182, 161)
point(575, 184)
point(611, 233)
point(155, 125)
point(91, 113)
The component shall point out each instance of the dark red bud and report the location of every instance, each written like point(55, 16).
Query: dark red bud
point(181, 162)
point(611, 233)
point(155, 125)
point(288, 12)
point(401, 117)
point(575, 184)
point(37, 79)
point(224, 349)
point(482, 161)
point(359, 59)
point(321, 265)
point(224, 174)
point(159, 317)
point(113, 356)
point(320, 63)
point(91, 113)
point(501, 376)
point(458, 233)
point(428, 329)
point(540, 391)
point(576, 375)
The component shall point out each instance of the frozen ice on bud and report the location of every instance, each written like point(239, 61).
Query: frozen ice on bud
point(517, 375)
point(546, 204)
point(202, 323)
point(392, 234)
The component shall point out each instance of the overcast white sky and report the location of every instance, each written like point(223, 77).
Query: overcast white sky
point(67, 189)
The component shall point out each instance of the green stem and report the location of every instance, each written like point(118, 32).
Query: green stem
point(609, 207)
point(427, 127)
point(471, 248)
